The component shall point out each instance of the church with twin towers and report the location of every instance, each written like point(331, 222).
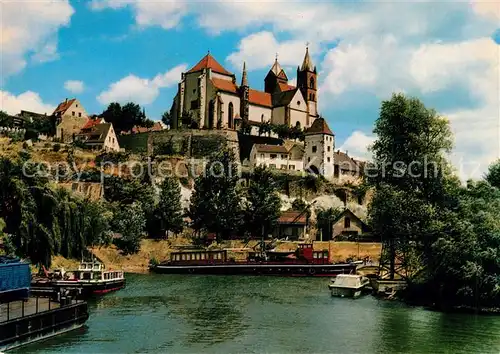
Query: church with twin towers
point(211, 96)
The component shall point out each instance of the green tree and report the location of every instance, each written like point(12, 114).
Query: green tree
point(215, 202)
point(262, 203)
point(130, 222)
point(169, 209)
point(125, 117)
point(411, 175)
point(410, 146)
point(493, 174)
point(166, 118)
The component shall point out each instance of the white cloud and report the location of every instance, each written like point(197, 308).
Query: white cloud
point(139, 90)
point(486, 8)
point(166, 14)
point(357, 145)
point(259, 49)
point(74, 86)
point(28, 101)
point(30, 29)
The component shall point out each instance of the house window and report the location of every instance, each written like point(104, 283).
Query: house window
point(77, 106)
point(283, 167)
point(328, 159)
point(308, 159)
point(328, 148)
point(283, 156)
point(291, 167)
point(262, 118)
point(272, 166)
point(73, 113)
point(298, 103)
point(273, 156)
point(314, 148)
point(255, 156)
point(80, 114)
point(194, 104)
point(347, 222)
point(261, 156)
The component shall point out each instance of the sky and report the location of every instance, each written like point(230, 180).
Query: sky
point(446, 53)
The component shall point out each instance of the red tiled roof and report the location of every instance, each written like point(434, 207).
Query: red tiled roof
point(260, 98)
point(292, 216)
point(319, 127)
point(207, 62)
point(224, 85)
point(285, 87)
point(91, 122)
point(279, 149)
point(63, 106)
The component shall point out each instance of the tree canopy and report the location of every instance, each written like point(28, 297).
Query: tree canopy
point(125, 117)
point(215, 202)
point(262, 203)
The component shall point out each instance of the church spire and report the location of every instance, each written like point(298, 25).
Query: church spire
point(244, 80)
point(276, 68)
point(307, 63)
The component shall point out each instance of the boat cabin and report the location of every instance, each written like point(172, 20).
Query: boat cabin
point(92, 271)
point(199, 257)
point(306, 251)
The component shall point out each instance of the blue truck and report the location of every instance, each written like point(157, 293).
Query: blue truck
point(15, 279)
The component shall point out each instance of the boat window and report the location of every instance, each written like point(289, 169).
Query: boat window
point(183, 257)
point(197, 256)
point(315, 255)
point(203, 256)
point(325, 255)
point(177, 257)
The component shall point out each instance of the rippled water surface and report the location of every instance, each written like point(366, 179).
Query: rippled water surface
point(217, 314)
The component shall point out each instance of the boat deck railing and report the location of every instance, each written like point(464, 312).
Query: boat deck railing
point(31, 306)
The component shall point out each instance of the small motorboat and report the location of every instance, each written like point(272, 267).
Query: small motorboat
point(348, 285)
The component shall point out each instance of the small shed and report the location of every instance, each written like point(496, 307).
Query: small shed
point(291, 224)
point(348, 226)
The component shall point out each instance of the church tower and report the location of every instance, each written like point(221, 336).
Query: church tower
point(307, 81)
point(274, 77)
point(244, 95)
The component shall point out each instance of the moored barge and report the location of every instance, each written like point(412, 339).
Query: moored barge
point(25, 318)
point(89, 279)
point(305, 261)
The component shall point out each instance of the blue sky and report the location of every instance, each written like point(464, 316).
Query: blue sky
point(104, 50)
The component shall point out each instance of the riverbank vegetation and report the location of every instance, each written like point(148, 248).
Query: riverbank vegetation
point(442, 236)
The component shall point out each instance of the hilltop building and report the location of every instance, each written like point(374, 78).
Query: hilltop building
point(317, 155)
point(70, 118)
point(209, 94)
point(96, 134)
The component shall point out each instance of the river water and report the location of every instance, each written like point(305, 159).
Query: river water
point(219, 314)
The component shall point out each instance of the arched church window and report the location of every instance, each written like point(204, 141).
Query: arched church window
point(230, 115)
point(311, 83)
point(262, 118)
point(297, 125)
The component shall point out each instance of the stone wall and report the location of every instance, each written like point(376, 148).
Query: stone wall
point(191, 143)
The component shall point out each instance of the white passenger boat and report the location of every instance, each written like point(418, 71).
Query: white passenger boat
point(348, 285)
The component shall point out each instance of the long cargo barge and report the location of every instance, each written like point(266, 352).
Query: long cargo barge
point(25, 318)
point(302, 262)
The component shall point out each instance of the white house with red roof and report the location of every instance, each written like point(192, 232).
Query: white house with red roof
point(210, 94)
point(317, 155)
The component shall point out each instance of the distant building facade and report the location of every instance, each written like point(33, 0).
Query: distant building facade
point(70, 118)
